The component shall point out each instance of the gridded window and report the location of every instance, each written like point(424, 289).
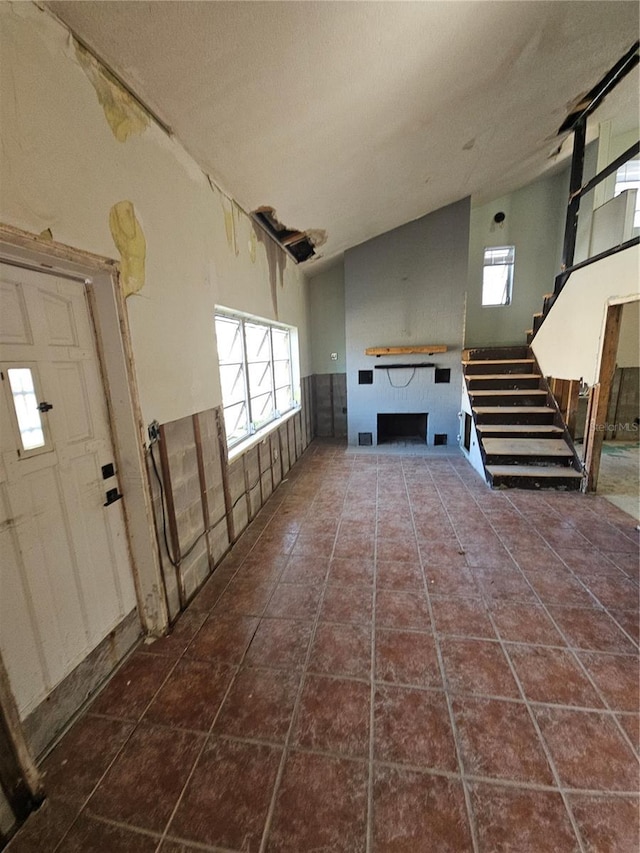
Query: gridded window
point(628, 178)
point(255, 373)
point(497, 275)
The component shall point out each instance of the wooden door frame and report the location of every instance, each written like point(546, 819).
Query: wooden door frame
point(595, 429)
point(109, 317)
point(19, 777)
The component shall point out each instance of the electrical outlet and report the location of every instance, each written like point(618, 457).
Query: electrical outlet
point(154, 432)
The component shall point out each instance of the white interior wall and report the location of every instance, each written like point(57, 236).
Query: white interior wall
point(569, 342)
point(63, 169)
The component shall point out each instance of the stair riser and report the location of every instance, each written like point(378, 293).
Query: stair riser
point(486, 353)
point(532, 399)
point(528, 459)
point(520, 434)
point(480, 367)
point(512, 418)
point(477, 383)
point(520, 482)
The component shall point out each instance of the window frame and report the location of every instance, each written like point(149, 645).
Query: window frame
point(510, 265)
point(258, 426)
point(11, 397)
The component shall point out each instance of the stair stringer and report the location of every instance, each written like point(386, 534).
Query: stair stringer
point(578, 464)
point(478, 460)
point(474, 455)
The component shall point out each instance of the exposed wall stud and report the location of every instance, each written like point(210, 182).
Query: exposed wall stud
point(165, 473)
point(224, 465)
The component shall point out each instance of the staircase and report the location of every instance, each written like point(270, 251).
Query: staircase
point(523, 440)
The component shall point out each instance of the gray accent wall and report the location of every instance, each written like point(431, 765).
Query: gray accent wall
point(408, 287)
point(326, 307)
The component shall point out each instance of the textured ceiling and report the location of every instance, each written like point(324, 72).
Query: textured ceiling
point(356, 117)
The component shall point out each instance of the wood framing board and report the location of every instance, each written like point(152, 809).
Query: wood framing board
point(423, 349)
point(607, 371)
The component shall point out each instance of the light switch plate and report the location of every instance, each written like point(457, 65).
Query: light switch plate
point(334, 356)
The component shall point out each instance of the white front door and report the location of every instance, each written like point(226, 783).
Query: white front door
point(65, 573)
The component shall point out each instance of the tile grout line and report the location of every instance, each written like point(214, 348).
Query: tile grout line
point(467, 797)
point(545, 747)
point(534, 721)
point(369, 841)
point(238, 666)
point(553, 550)
point(296, 705)
point(136, 725)
point(571, 649)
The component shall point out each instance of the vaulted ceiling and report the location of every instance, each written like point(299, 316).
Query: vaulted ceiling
point(355, 117)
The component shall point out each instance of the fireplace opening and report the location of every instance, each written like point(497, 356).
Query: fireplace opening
point(402, 428)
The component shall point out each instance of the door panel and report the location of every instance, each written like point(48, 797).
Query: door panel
point(67, 580)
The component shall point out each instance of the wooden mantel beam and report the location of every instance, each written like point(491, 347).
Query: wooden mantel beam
point(422, 349)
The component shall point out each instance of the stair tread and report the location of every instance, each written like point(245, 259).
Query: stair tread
point(481, 377)
point(533, 471)
point(519, 428)
point(509, 392)
point(517, 410)
point(498, 361)
point(526, 447)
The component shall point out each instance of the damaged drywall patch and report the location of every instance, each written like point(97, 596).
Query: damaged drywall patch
point(298, 244)
point(124, 115)
point(130, 241)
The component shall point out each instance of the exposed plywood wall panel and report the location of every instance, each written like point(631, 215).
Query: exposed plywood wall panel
point(209, 502)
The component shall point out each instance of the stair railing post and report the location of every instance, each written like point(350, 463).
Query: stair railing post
point(575, 184)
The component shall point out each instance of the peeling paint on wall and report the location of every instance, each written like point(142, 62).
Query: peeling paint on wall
point(130, 241)
point(231, 221)
point(253, 244)
point(277, 260)
point(124, 115)
point(46, 235)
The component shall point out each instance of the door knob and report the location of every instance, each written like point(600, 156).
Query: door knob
point(44, 407)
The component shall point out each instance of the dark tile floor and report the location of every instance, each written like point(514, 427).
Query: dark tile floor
point(393, 658)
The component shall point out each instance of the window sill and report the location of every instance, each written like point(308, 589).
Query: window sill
point(261, 434)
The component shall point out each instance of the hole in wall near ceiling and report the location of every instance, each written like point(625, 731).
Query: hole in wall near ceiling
point(299, 245)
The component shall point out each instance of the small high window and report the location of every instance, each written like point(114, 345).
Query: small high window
point(497, 275)
point(257, 373)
